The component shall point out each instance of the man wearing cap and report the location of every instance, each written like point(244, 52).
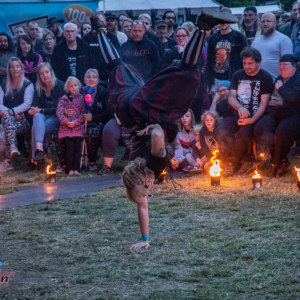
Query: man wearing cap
point(111, 27)
point(271, 44)
point(146, 19)
point(287, 29)
point(220, 102)
point(161, 30)
point(54, 25)
point(250, 25)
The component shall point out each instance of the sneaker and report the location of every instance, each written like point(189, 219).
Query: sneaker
point(93, 167)
point(60, 169)
point(283, 167)
point(76, 173)
point(71, 173)
point(272, 171)
point(14, 151)
point(105, 170)
point(30, 167)
point(246, 168)
point(228, 170)
point(187, 169)
point(196, 170)
point(5, 166)
point(39, 154)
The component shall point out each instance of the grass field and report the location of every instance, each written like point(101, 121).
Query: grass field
point(228, 242)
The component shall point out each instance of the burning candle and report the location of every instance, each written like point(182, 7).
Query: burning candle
point(51, 175)
point(256, 180)
point(298, 178)
point(215, 170)
point(263, 160)
point(162, 179)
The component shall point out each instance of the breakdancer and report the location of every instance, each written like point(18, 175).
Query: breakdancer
point(152, 108)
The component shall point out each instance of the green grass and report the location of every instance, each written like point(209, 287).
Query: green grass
point(228, 242)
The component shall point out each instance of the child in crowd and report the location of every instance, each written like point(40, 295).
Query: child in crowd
point(183, 158)
point(71, 128)
point(204, 153)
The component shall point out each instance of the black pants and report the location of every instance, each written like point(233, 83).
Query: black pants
point(73, 146)
point(234, 148)
point(275, 132)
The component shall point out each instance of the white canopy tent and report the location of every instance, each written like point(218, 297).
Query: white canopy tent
point(276, 9)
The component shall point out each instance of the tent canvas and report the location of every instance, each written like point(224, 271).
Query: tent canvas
point(260, 9)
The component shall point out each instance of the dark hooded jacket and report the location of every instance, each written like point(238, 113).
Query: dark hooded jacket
point(157, 41)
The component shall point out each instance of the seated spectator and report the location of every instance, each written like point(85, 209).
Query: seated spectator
point(220, 102)
point(126, 27)
point(6, 53)
point(48, 46)
point(45, 100)
point(146, 19)
point(161, 30)
point(71, 128)
point(112, 27)
point(278, 128)
point(29, 59)
point(184, 142)
point(140, 52)
point(15, 99)
point(72, 56)
point(86, 27)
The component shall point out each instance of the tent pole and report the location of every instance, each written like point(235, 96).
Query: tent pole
point(104, 9)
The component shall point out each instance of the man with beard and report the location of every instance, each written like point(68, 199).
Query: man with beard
point(54, 25)
point(111, 27)
point(170, 17)
point(161, 30)
point(250, 24)
point(6, 53)
point(32, 31)
point(287, 29)
point(271, 44)
point(146, 19)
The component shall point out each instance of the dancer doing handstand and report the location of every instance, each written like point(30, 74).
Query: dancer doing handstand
point(152, 108)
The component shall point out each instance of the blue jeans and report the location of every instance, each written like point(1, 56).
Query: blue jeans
point(42, 125)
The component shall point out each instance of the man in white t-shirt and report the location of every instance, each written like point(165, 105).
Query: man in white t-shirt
point(111, 26)
point(271, 44)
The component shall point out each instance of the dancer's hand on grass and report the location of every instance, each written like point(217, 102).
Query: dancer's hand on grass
point(140, 245)
point(146, 131)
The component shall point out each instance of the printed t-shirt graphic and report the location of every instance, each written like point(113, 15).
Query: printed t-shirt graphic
point(223, 52)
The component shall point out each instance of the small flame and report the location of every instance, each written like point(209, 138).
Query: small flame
point(48, 170)
point(256, 175)
point(215, 169)
point(164, 173)
point(262, 155)
point(298, 172)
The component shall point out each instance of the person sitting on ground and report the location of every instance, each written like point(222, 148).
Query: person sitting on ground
point(71, 128)
point(15, 99)
point(250, 90)
point(48, 46)
point(45, 100)
point(220, 102)
point(85, 28)
point(6, 53)
point(29, 59)
point(281, 124)
point(184, 142)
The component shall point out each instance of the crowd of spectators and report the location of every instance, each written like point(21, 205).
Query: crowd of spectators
point(249, 90)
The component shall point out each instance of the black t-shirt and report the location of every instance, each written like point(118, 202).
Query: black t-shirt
point(49, 102)
point(222, 59)
point(224, 109)
point(72, 57)
point(250, 88)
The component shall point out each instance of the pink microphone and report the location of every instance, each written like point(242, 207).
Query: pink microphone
point(88, 99)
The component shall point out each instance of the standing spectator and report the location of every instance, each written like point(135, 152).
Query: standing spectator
point(161, 30)
point(189, 26)
point(250, 90)
point(140, 52)
point(86, 27)
point(271, 44)
point(112, 27)
point(121, 19)
point(223, 56)
point(170, 17)
point(72, 56)
point(127, 26)
point(32, 31)
point(93, 42)
point(29, 59)
point(296, 28)
point(19, 30)
point(48, 46)
point(54, 25)
point(146, 19)
point(6, 53)
point(250, 25)
point(15, 99)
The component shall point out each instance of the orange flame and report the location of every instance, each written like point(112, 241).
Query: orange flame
point(48, 170)
point(262, 155)
point(215, 169)
point(298, 172)
point(164, 172)
point(256, 175)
